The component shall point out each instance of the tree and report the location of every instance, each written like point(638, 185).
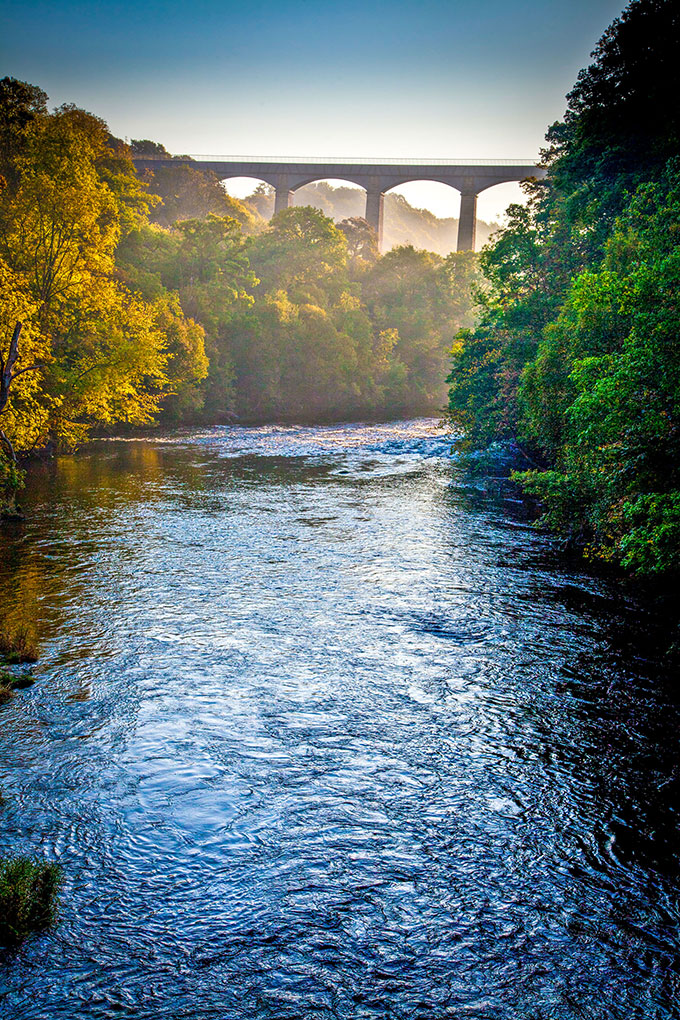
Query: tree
point(261, 201)
point(74, 196)
point(188, 193)
point(620, 438)
point(301, 247)
point(622, 122)
point(202, 267)
point(421, 297)
point(362, 242)
point(20, 104)
point(24, 354)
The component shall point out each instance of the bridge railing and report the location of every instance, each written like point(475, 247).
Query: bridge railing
point(347, 160)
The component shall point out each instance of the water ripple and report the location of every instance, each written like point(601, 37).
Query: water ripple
point(318, 732)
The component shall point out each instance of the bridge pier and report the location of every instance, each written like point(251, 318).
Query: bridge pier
point(282, 197)
point(467, 224)
point(375, 202)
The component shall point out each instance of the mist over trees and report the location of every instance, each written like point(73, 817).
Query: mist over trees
point(403, 223)
point(303, 319)
point(576, 355)
point(125, 298)
point(188, 193)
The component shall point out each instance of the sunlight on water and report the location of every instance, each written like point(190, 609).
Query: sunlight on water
point(421, 436)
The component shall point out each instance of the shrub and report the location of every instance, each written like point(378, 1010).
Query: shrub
point(28, 898)
point(10, 683)
point(17, 646)
point(6, 686)
point(652, 542)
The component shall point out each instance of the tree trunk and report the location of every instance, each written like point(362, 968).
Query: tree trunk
point(6, 376)
point(7, 367)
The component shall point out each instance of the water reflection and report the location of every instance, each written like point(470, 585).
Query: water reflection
point(318, 732)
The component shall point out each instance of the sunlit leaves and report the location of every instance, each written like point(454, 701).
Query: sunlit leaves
point(26, 415)
point(101, 353)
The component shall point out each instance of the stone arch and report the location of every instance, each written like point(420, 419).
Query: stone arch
point(318, 179)
point(260, 178)
point(453, 197)
point(357, 189)
point(267, 209)
point(497, 197)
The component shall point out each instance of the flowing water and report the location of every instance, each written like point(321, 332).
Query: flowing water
point(320, 731)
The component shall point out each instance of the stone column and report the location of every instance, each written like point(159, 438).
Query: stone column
point(374, 212)
point(467, 225)
point(282, 197)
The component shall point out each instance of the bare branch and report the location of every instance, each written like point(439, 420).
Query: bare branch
point(8, 446)
point(29, 368)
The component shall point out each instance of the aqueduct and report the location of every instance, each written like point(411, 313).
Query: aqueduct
point(375, 177)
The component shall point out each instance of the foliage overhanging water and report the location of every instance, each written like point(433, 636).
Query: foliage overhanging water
point(320, 732)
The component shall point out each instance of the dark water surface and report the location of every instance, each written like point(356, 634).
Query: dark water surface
point(319, 733)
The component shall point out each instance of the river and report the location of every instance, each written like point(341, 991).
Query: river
point(321, 730)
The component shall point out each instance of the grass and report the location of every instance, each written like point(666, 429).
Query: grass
point(17, 646)
point(6, 685)
point(10, 683)
point(28, 898)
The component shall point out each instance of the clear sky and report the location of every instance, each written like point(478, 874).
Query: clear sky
point(410, 78)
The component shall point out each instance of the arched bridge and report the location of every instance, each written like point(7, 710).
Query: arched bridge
point(469, 178)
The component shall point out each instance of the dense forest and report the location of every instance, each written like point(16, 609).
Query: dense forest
point(576, 356)
point(126, 299)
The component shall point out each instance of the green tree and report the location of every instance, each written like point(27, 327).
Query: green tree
point(620, 441)
point(301, 248)
point(20, 104)
point(423, 299)
point(575, 353)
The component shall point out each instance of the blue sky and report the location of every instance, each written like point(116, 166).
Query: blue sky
point(421, 79)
